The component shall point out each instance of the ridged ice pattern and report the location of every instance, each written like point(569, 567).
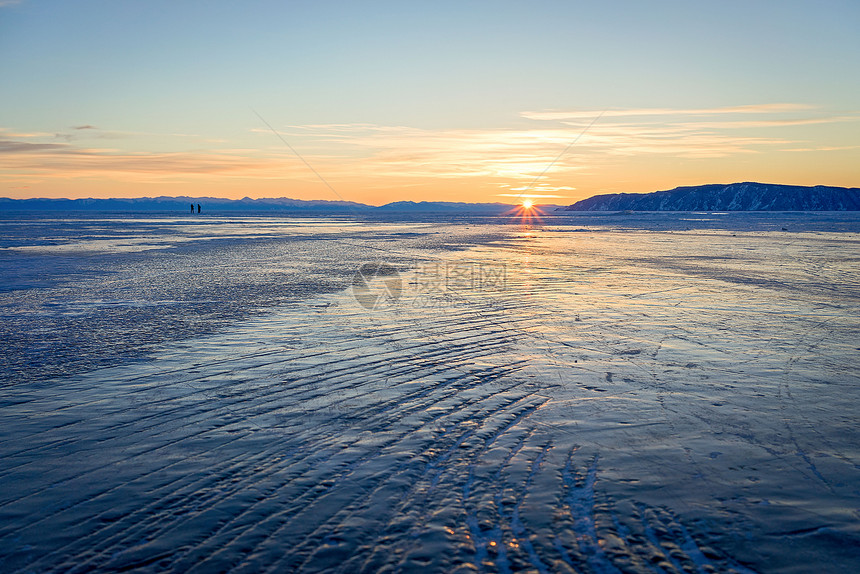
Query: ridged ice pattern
point(620, 402)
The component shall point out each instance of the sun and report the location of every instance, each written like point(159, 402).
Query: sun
point(528, 204)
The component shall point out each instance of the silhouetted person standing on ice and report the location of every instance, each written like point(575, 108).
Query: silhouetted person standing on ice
point(198, 208)
point(192, 208)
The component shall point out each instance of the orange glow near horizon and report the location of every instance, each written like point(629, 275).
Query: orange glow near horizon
point(379, 192)
point(632, 151)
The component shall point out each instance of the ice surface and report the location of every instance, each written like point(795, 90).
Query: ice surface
point(591, 396)
point(77, 294)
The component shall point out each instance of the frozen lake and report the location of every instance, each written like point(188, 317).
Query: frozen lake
point(599, 393)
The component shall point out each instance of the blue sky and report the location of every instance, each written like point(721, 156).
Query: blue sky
point(424, 100)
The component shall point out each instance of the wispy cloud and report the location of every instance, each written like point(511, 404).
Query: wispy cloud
point(693, 132)
point(632, 112)
point(531, 195)
point(509, 159)
point(67, 160)
point(5, 132)
point(8, 146)
point(823, 148)
point(777, 123)
point(522, 154)
point(399, 151)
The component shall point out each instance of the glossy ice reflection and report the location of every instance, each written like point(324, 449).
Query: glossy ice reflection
point(618, 400)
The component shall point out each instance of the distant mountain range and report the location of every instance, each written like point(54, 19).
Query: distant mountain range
point(178, 204)
point(747, 196)
point(715, 197)
point(183, 204)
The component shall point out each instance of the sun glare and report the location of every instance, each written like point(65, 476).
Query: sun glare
point(528, 204)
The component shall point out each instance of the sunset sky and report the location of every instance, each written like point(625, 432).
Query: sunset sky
point(436, 100)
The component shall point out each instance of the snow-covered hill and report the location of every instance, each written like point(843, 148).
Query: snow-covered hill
point(747, 196)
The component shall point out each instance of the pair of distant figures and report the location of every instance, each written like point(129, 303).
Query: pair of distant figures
point(192, 208)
